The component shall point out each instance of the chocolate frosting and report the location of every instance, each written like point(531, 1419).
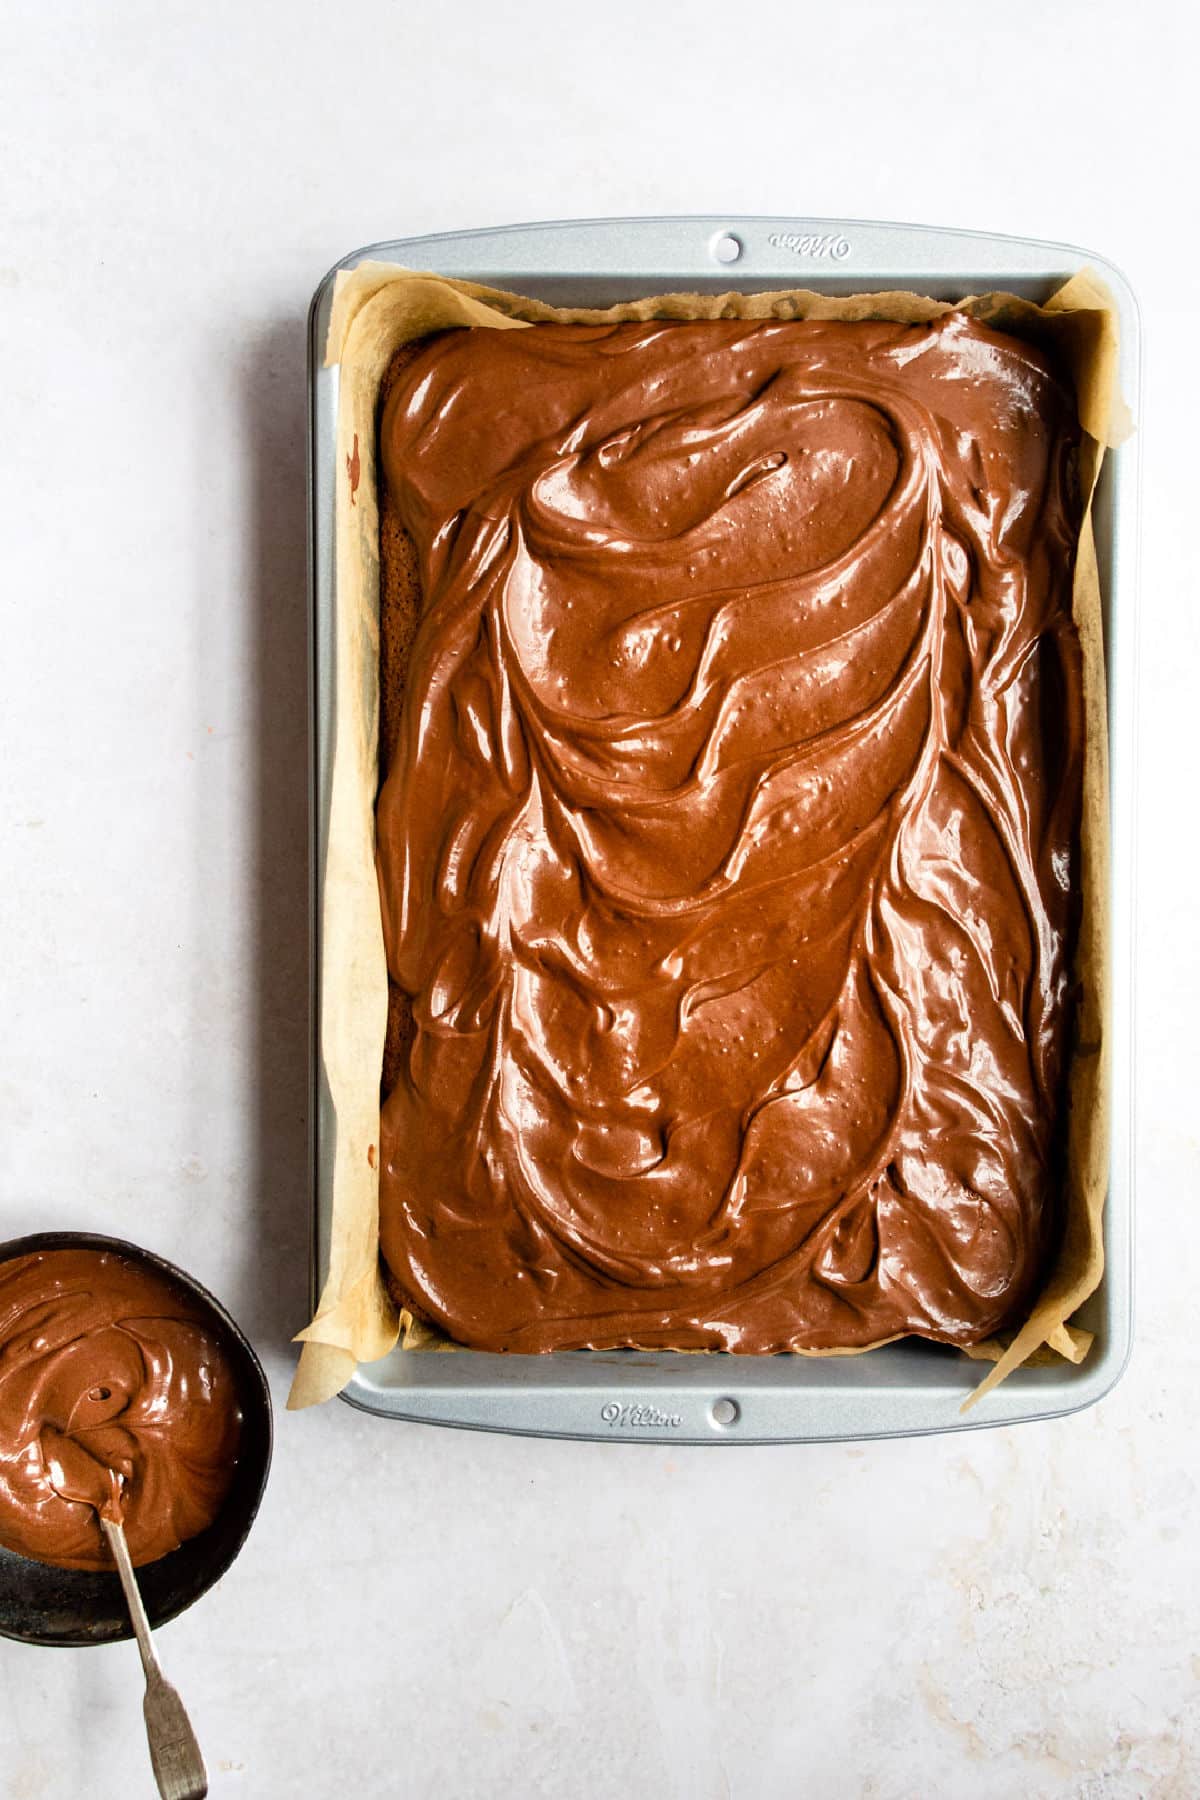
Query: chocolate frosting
point(727, 854)
point(115, 1395)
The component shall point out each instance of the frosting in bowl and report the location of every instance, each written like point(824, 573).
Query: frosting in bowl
point(116, 1394)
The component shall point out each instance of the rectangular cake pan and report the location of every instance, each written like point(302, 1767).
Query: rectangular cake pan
point(904, 1388)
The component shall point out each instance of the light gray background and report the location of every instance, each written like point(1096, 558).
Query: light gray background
point(417, 1612)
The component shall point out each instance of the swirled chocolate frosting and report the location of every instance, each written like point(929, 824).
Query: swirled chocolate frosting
point(728, 843)
point(115, 1396)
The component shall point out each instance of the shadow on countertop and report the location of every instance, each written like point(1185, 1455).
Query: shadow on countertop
point(273, 1303)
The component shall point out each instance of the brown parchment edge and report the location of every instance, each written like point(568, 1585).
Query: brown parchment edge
point(378, 307)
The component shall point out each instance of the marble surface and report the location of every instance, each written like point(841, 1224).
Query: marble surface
point(418, 1611)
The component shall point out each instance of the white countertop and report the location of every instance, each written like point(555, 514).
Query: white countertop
point(429, 1612)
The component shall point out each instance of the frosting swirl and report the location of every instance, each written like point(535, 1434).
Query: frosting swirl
point(115, 1396)
point(727, 851)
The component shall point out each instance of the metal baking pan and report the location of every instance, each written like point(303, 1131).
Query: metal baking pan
point(904, 1388)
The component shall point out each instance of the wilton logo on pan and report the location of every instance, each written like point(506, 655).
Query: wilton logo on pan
point(646, 1416)
point(830, 244)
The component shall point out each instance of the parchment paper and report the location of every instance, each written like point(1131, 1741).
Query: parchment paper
point(378, 307)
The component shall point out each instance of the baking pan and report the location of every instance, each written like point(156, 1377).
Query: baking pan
point(904, 1388)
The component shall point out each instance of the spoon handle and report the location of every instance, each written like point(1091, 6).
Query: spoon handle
point(178, 1765)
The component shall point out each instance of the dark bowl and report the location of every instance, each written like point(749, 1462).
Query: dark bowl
point(40, 1604)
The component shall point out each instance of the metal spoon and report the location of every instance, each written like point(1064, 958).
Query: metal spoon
point(178, 1765)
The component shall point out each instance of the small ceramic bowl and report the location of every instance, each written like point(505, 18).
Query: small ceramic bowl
point(40, 1604)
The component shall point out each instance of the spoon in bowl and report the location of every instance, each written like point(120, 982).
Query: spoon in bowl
point(178, 1765)
point(174, 1753)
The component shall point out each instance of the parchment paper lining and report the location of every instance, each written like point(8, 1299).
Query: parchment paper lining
point(377, 308)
